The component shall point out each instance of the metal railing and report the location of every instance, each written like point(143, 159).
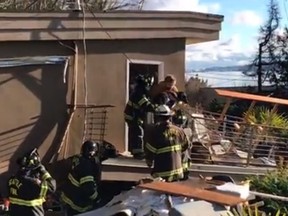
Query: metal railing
point(96, 121)
point(233, 141)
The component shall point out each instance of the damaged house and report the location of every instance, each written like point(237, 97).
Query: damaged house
point(65, 77)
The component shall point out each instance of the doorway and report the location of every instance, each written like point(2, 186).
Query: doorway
point(135, 68)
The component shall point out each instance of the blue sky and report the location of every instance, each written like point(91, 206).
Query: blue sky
point(238, 38)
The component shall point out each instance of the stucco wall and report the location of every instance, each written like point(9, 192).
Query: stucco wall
point(33, 109)
point(106, 79)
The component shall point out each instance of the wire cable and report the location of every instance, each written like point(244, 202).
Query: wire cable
point(85, 71)
point(106, 32)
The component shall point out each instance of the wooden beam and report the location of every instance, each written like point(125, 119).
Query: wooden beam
point(225, 108)
point(193, 192)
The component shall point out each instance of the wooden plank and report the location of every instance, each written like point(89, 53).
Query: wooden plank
point(192, 192)
point(246, 96)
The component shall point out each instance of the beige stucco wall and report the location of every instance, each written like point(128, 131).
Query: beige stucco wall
point(34, 111)
point(106, 79)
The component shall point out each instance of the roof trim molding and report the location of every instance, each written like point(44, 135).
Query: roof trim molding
point(195, 27)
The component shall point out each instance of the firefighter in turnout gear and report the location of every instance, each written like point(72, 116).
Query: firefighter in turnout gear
point(164, 145)
point(135, 114)
point(80, 193)
point(180, 120)
point(36, 169)
point(29, 187)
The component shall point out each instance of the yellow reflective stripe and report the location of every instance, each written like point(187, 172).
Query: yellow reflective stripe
point(44, 189)
point(82, 180)
point(94, 195)
point(185, 165)
point(137, 151)
point(130, 103)
point(46, 176)
point(151, 148)
point(169, 149)
point(35, 202)
point(72, 204)
point(86, 179)
point(133, 104)
point(168, 173)
point(142, 101)
point(128, 117)
point(73, 180)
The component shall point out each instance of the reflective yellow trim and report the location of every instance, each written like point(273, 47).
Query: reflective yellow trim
point(94, 195)
point(86, 179)
point(35, 202)
point(137, 151)
point(73, 180)
point(186, 165)
point(173, 148)
point(142, 101)
point(46, 176)
point(82, 180)
point(128, 117)
point(131, 104)
point(72, 204)
point(44, 189)
point(168, 173)
point(151, 148)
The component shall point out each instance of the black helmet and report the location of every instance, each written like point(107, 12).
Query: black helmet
point(30, 160)
point(89, 148)
point(179, 118)
point(182, 97)
point(146, 81)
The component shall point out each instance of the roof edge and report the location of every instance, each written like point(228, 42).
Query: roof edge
point(155, 13)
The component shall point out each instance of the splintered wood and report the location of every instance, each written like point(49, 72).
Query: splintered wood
point(192, 192)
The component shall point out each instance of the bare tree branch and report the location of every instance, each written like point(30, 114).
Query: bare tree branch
point(56, 5)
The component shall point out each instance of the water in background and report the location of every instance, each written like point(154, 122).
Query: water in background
point(225, 79)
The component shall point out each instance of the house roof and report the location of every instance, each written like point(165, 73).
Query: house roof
point(195, 27)
point(252, 97)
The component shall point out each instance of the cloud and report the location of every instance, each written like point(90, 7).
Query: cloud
point(182, 5)
point(219, 53)
point(216, 53)
point(247, 17)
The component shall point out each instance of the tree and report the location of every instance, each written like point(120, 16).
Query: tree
point(57, 5)
point(193, 90)
point(267, 58)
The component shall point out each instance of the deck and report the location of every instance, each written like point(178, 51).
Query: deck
point(129, 169)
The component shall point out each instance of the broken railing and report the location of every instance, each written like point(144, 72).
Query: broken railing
point(230, 140)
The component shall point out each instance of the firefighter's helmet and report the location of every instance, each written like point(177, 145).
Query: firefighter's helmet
point(30, 160)
point(146, 81)
point(182, 97)
point(179, 118)
point(89, 148)
point(163, 110)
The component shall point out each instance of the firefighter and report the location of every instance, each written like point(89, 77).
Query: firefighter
point(164, 145)
point(27, 190)
point(80, 193)
point(180, 120)
point(135, 113)
point(38, 170)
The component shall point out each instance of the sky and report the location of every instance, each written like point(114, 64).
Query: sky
point(238, 37)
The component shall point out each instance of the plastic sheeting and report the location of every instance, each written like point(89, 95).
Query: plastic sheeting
point(138, 202)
